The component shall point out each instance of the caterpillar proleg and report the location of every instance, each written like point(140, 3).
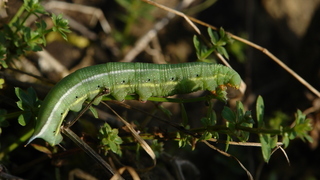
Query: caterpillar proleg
point(121, 79)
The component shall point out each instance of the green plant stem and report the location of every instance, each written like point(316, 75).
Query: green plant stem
point(17, 15)
point(16, 144)
point(86, 148)
point(226, 130)
point(131, 19)
point(161, 99)
point(12, 115)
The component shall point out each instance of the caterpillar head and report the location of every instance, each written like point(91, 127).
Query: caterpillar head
point(235, 81)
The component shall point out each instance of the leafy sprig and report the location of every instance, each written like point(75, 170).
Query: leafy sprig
point(110, 139)
point(218, 41)
point(28, 103)
point(16, 38)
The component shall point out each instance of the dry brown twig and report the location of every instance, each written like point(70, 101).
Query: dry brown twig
point(97, 14)
point(229, 155)
point(142, 43)
point(262, 49)
point(136, 135)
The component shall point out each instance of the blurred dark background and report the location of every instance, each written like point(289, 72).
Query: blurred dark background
point(289, 29)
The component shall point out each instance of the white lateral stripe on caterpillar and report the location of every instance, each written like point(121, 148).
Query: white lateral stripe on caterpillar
point(121, 79)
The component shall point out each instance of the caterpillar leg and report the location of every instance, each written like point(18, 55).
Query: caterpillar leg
point(220, 93)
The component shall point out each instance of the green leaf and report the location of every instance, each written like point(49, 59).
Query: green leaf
point(60, 25)
point(184, 115)
point(165, 110)
point(206, 52)
point(265, 146)
point(34, 6)
point(227, 143)
point(221, 32)
point(244, 135)
point(27, 100)
point(278, 120)
point(260, 111)
point(109, 139)
point(22, 120)
point(4, 64)
point(94, 112)
point(196, 43)
point(229, 115)
point(213, 36)
point(3, 121)
point(274, 141)
point(223, 51)
point(205, 136)
point(183, 139)
point(211, 118)
point(302, 127)
point(247, 118)
point(29, 103)
point(42, 31)
point(240, 111)
point(285, 140)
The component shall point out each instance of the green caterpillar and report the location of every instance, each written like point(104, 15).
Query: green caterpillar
point(121, 79)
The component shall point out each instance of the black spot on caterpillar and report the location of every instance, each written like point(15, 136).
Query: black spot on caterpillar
point(120, 79)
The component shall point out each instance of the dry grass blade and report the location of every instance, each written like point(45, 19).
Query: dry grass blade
point(252, 144)
point(284, 153)
point(170, 123)
point(142, 142)
point(86, 148)
point(78, 173)
point(229, 155)
point(132, 172)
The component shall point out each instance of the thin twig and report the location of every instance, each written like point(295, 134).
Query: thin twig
point(95, 12)
point(135, 134)
point(174, 12)
point(86, 148)
point(84, 109)
point(262, 49)
point(252, 144)
point(171, 123)
point(142, 43)
point(265, 51)
point(229, 155)
point(284, 153)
